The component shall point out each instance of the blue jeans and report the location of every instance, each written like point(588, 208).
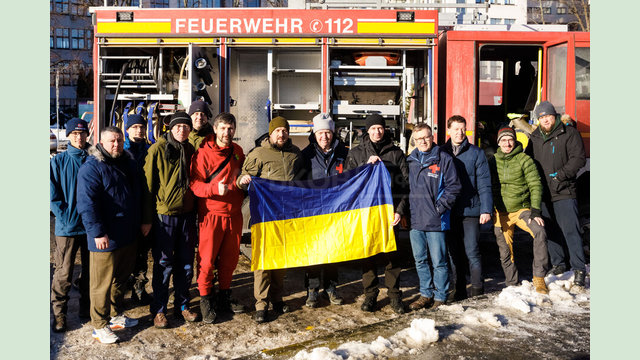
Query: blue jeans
point(564, 233)
point(434, 243)
point(463, 240)
point(173, 252)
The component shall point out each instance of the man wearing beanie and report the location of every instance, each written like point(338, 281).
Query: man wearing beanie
point(200, 115)
point(323, 157)
point(376, 146)
point(70, 233)
point(559, 153)
point(110, 210)
point(275, 159)
point(168, 204)
point(136, 143)
point(517, 193)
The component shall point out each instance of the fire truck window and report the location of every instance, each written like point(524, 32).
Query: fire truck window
point(490, 92)
point(583, 73)
point(557, 76)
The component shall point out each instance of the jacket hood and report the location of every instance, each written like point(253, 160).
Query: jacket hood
point(95, 152)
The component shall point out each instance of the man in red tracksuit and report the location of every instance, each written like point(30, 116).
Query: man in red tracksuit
point(214, 170)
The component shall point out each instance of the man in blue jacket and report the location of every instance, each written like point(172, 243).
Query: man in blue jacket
point(70, 234)
point(323, 157)
point(472, 208)
point(110, 210)
point(434, 186)
point(136, 144)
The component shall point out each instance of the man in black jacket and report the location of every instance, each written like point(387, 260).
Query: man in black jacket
point(376, 146)
point(559, 153)
point(323, 157)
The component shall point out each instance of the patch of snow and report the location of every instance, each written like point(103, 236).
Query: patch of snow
point(475, 317)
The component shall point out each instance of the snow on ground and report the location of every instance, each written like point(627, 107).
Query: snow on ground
point(423, 332)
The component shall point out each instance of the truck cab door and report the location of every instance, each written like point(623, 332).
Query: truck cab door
point(558, 83)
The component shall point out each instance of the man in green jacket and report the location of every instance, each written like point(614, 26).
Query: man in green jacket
point(517, 193)
point(275, 159)
point(168, 203)
point(200, 115)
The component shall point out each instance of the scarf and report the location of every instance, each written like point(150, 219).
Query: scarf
point(176, 150)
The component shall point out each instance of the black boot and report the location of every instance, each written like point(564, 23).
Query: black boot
point(206, 309)
point(139, 294)
point(476, 291)
point(228, 304)
point(578, 278)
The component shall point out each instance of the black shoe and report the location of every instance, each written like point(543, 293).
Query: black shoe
point(140, 297)
point(228, 304)
point(281, 307)
point(370, 303)
point(557, 270)
point(579, 277)
point(312, 298)
point(260, 316)
point(59, 323)
point(332, 294)
point(475, 291)
point(396, 305)
point(206, 309)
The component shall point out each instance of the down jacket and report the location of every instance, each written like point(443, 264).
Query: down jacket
point(318, 165)
point(110, 201)
point(560, 153)
point(206, 160)
point(516, 183)
point(474, 175)
point(393, 159)
point(63, 174)
point(434, 187)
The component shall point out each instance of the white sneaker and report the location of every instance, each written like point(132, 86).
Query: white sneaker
point(105, 335)
point(121, 322)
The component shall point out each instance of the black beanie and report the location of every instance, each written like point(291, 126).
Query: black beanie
point(180, 117)
point(374, 119)
point(134, 119)
point(199, 106)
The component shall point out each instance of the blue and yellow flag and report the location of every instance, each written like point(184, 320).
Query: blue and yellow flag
point(339, 218)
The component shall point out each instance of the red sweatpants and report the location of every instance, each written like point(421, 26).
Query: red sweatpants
point(219, 248)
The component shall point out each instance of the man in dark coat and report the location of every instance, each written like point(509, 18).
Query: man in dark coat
point(377, 145)
point(434, 187)
point(473, 207)
point(110, 210)
point(559, 153)
point(70, 233)
point(323, 157)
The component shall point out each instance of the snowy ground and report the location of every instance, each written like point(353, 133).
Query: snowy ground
point(514, 323)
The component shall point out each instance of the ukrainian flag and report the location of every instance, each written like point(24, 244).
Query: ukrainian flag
point(339, 218)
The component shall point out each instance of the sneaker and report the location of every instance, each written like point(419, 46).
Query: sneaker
point(557, 270)
point(105, 335)
point(370, 303)
point(332, 295)
point(437, 303)
point(260, 316)
point(540, 285)
point(422, 302)
point(397, 305)
point(160, 321)
point(59, 324)
point(189, 315)
point(121, 322)
point(281, 307)
point(312, 298)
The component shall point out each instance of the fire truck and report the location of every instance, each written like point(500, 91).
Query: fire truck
point(258, 63)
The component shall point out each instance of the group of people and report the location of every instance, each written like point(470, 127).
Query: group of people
point(120, 199)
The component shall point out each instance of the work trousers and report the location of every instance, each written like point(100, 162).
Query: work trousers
point(64, 259)
point(392, 271)
point(561, 221)
point(268, 285)
point(141, 266)
point(504, 224)
point(464, 252)
point(218, 248)
point(173, 251)
point(109, 272)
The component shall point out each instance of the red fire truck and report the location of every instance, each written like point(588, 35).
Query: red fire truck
point(259, 63)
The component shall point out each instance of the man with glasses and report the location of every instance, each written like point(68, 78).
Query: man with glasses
point(434, 187)
point(169, 203)
point(70, 233)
